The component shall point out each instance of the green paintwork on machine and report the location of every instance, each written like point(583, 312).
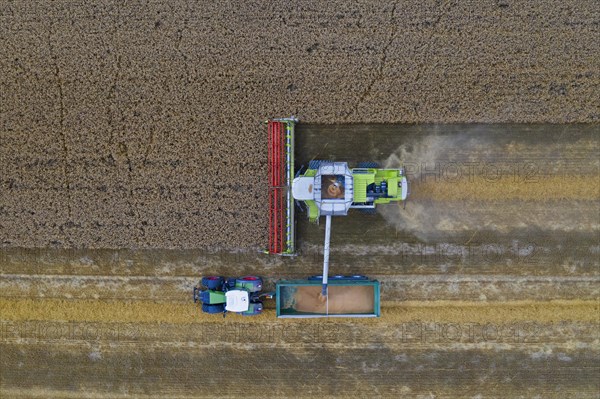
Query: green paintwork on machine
point(216, 297)
point(369, 187)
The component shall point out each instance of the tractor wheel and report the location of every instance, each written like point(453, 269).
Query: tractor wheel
point(213, 282)
point(368, 165)
point(254, 308)
point(251, 283)
point(213, 309)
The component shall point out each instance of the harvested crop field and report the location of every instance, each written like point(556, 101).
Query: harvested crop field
point(133, 161)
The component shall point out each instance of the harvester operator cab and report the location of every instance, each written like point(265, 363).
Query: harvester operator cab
point(326, 188)
point(333, 186)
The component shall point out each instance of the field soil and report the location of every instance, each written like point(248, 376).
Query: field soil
point(133, 161)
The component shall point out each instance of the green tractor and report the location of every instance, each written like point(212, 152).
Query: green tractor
point(239, 295)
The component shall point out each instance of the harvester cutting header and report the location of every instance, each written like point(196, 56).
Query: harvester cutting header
point(324, 188)
point(282, 238)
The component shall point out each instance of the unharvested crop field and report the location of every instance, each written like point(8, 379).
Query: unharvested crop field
point(133, 161)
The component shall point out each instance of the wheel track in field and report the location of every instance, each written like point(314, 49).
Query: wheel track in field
point(395, 288)
point(553, 311)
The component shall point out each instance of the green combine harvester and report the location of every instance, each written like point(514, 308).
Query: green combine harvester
point(332, 188)
point(325, 188)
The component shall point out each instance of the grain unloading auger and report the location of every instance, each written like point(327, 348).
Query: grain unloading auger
point(325, 188)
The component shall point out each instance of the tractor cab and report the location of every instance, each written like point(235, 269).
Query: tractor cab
point(242, 295)
point(237, 301)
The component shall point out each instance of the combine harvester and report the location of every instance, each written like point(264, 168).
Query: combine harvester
point(324, 188)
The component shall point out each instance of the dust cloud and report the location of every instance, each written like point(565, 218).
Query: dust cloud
point(503, 190)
